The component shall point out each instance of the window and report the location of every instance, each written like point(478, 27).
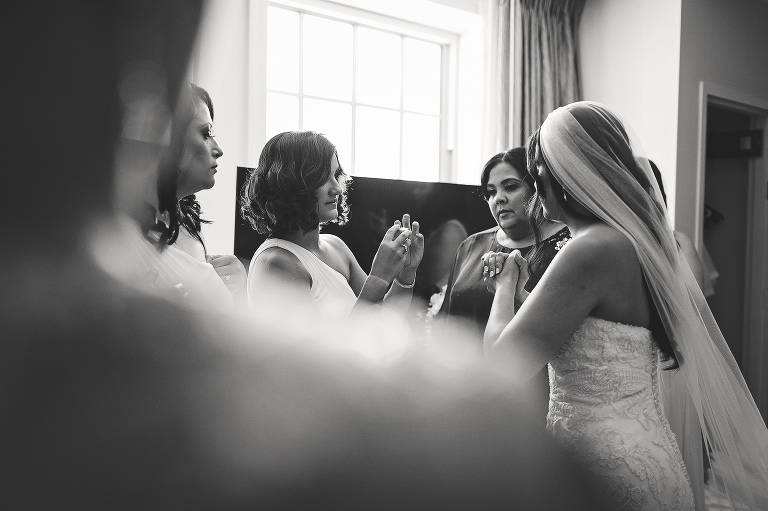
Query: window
point(379, 94)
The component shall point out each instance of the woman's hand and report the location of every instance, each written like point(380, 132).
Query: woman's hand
point(414, 252)
point(496, 273)
point(522, 263)
point(390, 258)
point(230, 270)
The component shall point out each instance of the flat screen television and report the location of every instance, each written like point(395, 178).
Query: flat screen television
point(447, 213)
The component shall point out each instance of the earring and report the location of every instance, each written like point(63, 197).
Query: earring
point(565, 196)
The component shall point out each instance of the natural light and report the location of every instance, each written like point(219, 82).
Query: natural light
point(375, 94)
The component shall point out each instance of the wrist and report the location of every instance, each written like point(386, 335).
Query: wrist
point(376, 281)
point(407, 276)
point(374, 289)
point(405, 285)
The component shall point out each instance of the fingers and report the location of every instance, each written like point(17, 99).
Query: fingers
point(415, 228)
point(403, 237)
point(521, 261)
point(493, 262)
point(407, 221)
point(221, 260)
point(392, 231)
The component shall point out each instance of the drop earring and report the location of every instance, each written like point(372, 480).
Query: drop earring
point(565, 197)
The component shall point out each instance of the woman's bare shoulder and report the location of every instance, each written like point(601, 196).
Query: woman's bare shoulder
point(600, 249)
point(336, 244)
point(278, 260)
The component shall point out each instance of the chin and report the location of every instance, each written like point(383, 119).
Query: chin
point(509, 225)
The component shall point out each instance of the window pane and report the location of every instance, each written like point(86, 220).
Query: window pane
point(378, 68)
point(282, 114)
point(377, 143)
point(334, 120)
point(421, 147)
point(327, 58)
point(421, 83)
point(283, 50)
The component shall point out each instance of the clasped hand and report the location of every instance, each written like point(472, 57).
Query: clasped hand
point(400, 252)
point(496, 273)
point(230, 270)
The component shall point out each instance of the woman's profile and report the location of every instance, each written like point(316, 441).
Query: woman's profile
point(149, 191)
point(197, 170)
point(297, 187)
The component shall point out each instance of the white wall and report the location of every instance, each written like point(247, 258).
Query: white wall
point(629, 55)
point(220, 66)
point(722, 43)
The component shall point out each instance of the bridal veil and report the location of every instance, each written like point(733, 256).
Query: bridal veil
point(706, 397)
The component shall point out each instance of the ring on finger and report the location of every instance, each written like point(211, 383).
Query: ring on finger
point(405, 246)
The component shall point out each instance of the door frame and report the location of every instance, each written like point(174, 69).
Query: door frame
point(754, 361)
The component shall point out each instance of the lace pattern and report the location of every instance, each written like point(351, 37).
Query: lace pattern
point(605, 410)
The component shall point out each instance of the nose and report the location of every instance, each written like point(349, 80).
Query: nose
point(217, 151)
point(336, 189)
point(500, 198)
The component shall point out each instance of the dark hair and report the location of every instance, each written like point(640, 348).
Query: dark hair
point(514, 157)
point(189, 207)
point(557, 189)
point(657, 175)
point(608, 133)
point(186, 214)
point(279, 195)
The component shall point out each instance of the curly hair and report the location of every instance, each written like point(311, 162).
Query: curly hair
point(279, 195)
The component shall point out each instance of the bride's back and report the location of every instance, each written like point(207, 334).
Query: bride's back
point(623, 296)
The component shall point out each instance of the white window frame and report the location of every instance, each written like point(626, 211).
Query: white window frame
point(449, 42)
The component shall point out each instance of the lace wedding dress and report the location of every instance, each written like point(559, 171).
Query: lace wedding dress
point(605, 410)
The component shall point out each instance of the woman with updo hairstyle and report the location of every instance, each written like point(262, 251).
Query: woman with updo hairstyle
point(297, 187)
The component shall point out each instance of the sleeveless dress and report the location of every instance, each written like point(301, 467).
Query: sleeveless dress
point(124, 253)
point(605, 410)
point(330, 289)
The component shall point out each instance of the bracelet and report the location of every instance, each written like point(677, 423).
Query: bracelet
point(409, 286)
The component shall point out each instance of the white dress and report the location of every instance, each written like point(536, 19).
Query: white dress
point(605, 410)
point(330, 289)
point(126, 254)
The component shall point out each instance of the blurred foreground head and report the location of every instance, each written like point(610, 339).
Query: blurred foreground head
point(112, 399)
point(70, 60)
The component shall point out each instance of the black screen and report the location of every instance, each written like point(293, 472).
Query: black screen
point(446, 213)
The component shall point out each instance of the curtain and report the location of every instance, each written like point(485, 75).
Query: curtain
point(545, 72)
point(496, 18)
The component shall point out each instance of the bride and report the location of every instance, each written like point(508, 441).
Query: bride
point(617, 309)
